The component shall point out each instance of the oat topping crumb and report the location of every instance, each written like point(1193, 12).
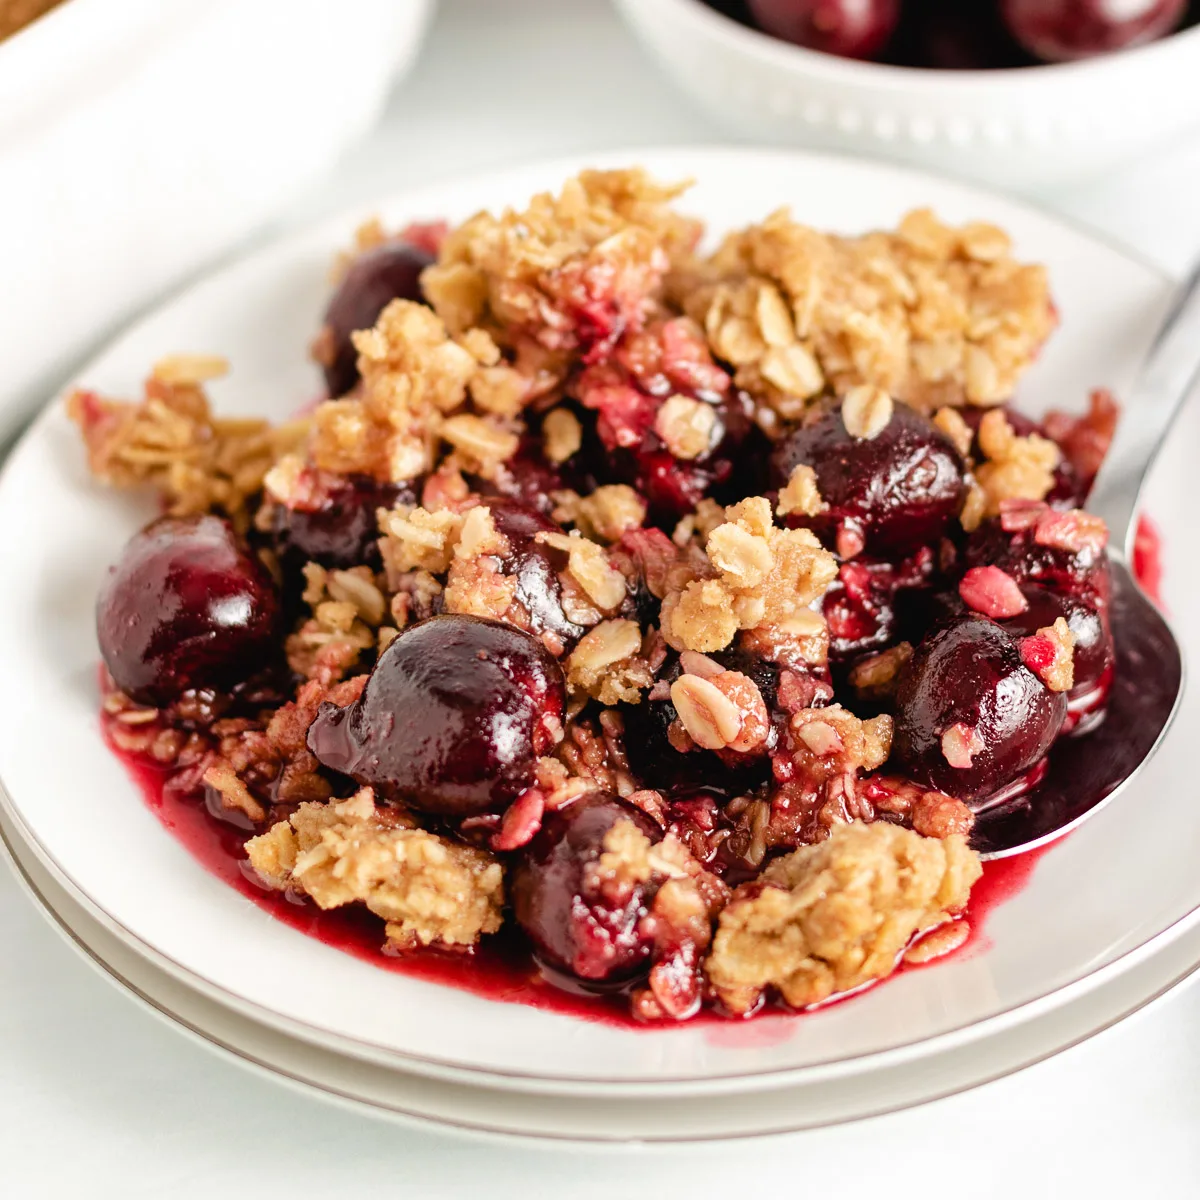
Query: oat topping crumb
point(933, 315)
point(590, 567)
point(840, 741)
point(766, 577)
point(830, 917)
point(800, 494)
point(1014, 468)
point(562, 435)
point(429, 890)
point(608, 665)
point(866, 411)
point(950, 422)
point(874, 676)
point(687, 427)
point(610, 511)
point(1050, 654)
point(171, 441)
point(960, 743)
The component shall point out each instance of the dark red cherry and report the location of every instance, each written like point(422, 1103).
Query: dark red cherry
point(452, 718)
point(535, 566)
point(338, 526)
point(899, 489)
point(186, 606)
point(374, 279)
point(851, 28)
point(970, 716)
point(1094, 654)
point(1057, 30)
point(579, 920)
point(1081, 573)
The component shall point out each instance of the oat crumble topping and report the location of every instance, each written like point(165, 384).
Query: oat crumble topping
point(831, 917)
point(428, 890)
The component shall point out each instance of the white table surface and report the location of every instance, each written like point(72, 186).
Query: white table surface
point(98, 1099)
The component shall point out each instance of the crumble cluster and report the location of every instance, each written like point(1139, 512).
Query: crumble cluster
point(829, 918)
point(930, 314)
point(590, 315)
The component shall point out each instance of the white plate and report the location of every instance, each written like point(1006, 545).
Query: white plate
point(1095, 905)
point(486, 1112)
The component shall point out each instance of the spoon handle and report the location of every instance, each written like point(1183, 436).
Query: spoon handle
point(1165, 379)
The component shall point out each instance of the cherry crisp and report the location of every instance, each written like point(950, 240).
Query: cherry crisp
point(677, 611)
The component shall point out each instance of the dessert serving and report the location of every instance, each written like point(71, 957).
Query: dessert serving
point(663, 616)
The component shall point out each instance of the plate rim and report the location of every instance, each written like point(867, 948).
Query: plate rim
point(324, 1091)
point(346, 217)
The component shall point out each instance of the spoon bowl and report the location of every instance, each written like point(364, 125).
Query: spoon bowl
point(1085, 773)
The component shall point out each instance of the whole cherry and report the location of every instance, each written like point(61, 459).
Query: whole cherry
point(373, 280)
point(894, 489)
point(970, 716)
point(187, 605)
point(581, 918)
point(1057, 30)
point(850, 28)
point(452, 719)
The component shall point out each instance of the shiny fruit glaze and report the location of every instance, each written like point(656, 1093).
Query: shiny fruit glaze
point(452, 719)
point(502, 969)
point(186, 606)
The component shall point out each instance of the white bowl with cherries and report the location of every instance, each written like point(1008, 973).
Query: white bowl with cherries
point(1023, 94)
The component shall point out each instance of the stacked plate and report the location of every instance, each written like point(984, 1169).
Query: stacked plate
point(1106, 921)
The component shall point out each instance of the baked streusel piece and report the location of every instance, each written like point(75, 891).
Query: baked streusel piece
point(679, 609)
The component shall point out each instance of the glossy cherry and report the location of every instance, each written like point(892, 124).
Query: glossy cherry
point(373, 280)
point(535, 566)
point(187, 605)
point(452, 718)
point(339, 528)
point(970, 716)
point(900, 489)
point(1094, 654)
point(1082, 573)
point(578, 921)
point(1056, 30)
point(850, 28)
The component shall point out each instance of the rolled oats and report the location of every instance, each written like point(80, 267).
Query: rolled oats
point(562, 435)
point(866, 411)
point(687, 427)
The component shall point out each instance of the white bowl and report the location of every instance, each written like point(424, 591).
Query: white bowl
point(139, 139)
point(1026, 128)
point(1095, 904)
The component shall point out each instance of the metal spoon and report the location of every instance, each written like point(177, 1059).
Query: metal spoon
point(1087, 772)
